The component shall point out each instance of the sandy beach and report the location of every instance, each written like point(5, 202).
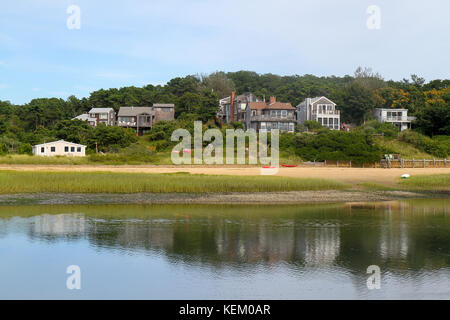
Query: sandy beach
point(349, 175)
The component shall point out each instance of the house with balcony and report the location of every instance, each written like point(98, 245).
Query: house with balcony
point(106, 116)
point(265, 116)
point(320, 109)
point(233, 108)
point(398, 117)
point(143, 118)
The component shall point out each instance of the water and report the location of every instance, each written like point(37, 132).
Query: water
point(227, 252)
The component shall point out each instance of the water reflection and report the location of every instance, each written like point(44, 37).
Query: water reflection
point(339, 238)
point(408, 234)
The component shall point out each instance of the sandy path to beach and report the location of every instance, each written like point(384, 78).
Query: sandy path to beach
point(350, 175)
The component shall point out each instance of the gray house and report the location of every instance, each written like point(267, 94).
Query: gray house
point(102, 115)
point(265, 116)
point(320, 109)
point(143, 118)
point(233, 108)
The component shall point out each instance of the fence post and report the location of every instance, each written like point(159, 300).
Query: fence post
point(413, 163)
point(445, 162)
point(350, 163)
point(434, 162)
point(325, 161)
point(424, 163)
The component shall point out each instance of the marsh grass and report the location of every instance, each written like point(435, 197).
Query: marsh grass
point(438, 182)
point(105, 182)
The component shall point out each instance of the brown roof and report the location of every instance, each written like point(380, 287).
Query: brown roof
point(274, 106)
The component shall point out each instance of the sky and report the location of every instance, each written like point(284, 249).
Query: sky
point(138, 42)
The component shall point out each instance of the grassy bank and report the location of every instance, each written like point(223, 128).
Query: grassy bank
point(437, 183)
point(105, 182)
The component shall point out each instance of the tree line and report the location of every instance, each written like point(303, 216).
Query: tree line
point(196, 97)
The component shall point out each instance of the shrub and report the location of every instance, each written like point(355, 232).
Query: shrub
point(336, 145)
point(425, 144)
point(25, 148)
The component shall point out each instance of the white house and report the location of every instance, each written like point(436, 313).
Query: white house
point(59, 148)
point(398, 117)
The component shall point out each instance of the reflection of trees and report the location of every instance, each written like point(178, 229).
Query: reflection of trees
point(393, 235)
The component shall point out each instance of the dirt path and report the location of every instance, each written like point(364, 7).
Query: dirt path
point(350, 175)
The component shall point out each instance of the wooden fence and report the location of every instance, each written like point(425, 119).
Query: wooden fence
point(400, 163)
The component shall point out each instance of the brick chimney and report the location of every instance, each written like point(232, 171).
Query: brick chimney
point(233, 96)
point(272, 99)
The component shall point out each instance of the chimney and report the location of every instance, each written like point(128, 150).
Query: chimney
point(233, 95)
point(272, 100)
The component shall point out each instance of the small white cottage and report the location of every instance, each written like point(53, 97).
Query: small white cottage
point(59, 148)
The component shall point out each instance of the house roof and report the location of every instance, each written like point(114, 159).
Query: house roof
point(61, 141)
point(83, 117)
point(100, 110)
point(318, 99)
point(134, 111)
point(272, 106)
point(164, 105)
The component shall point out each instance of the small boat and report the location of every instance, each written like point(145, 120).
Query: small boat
point(267, 167)
point(289, 165)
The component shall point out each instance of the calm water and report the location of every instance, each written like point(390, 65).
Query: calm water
point(227, 252)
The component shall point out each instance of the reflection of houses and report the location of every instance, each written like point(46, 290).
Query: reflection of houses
point(319, 246)
point(398, 117)
point(320, 109)
point(59, 225)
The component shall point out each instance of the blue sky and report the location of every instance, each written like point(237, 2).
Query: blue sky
point(136, 42)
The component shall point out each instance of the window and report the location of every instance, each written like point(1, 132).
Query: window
point(78, 149)
point(103, 116)
point(253, 112)
point(66, 149)
point(325, 121)
point(52, 149)
point(330, 122)
point(72, 149)
point(319, 120)
point(284, 113)
point(42, 149)
point(291, 127)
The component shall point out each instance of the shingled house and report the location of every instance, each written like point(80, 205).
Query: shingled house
point(143, 118)
point(270, 115)
point(320, 109)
